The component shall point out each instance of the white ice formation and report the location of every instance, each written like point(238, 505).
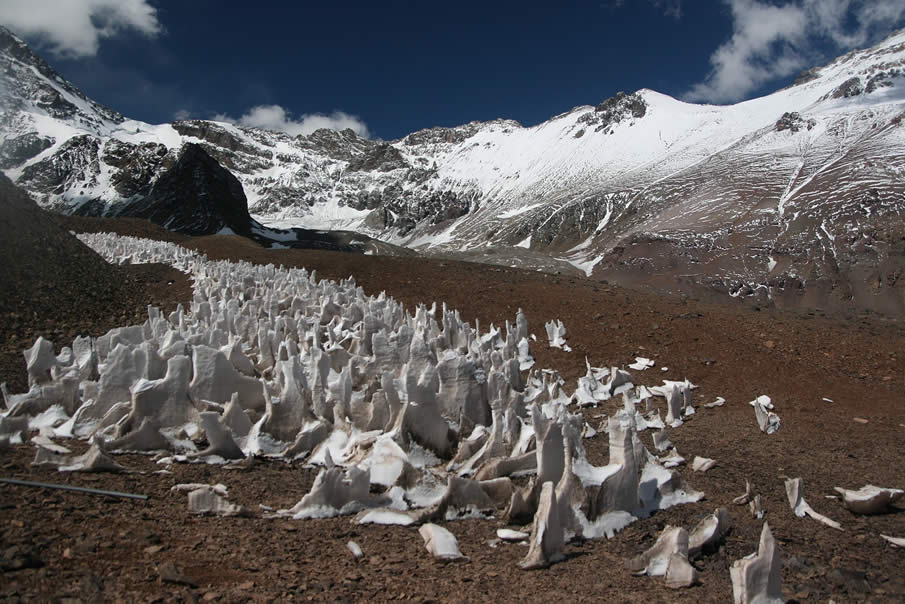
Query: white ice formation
point(411, 419)
point(556, 334)
point(756, 577)
point(355, 550)
point(207, 500)
point(708, 532)
point(702, 464)
point(440, 542)
point(678, 400)
point(547, 535)
point(642, 363)
point(754, 501)
point(869, 499)
point(719, 402)
point(511, 535)
point(801, 507)
point(767, 420)
point(895, 541)
point(675, 546)
point(673, 540)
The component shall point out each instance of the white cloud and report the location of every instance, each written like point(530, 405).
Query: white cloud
point(182, 114)
point(771, 41)
point(275, 117)
point(74, 28)
point(670, 8)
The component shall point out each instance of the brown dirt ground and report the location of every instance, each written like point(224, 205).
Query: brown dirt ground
point(104, 549)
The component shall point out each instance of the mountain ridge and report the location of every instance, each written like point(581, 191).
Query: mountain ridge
point(764, 199)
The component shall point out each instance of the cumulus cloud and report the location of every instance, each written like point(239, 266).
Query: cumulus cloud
point(74, 28)
point(771, 41)
point(275, 117)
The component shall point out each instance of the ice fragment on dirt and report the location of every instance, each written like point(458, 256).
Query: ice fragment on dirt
point(869, 499)
point(556, 334)
point(547, 538)
point(895, 541)
point(511, 535)
point(207, 500)
point(708, 531)
point(655, 560)
point(641, 364)
point(702, 464)
point(756, 577)
point(440, 542)
point(767, 420)
point(801, 508)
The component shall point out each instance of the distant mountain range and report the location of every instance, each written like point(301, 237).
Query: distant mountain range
point(795, 198)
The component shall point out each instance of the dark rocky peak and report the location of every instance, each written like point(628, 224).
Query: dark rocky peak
point(196, 196)
point(849, 88)
point(15, 47)
point(74, 164)
point(381, 158)
point(213, 133)
point(884, 77)
point(441, 135)
point(135, 165)
point(792, 121)
point(18, 150)
point(336, 144)
point(614, 110)
point(47, 91)
point(623, 103)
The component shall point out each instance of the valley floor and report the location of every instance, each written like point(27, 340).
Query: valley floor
point(68, 545)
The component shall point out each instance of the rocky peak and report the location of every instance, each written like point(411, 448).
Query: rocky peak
point(336, 144)
point(382, 158)
point(615, 110)
point(45, 90)
point(792, 121)
point(849, 88)
point(213, 133)
point(441, 135)
point(15, 151)
point(74, 165)
point(196, 196)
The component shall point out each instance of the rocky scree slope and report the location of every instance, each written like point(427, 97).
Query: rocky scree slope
point(794, 198)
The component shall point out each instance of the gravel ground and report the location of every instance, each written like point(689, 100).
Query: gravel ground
point(57, 545)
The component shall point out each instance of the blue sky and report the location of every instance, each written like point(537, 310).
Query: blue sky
point(389, 68)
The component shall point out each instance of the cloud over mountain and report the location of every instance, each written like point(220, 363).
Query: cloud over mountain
point(75, 28)
point(771, 41)
point(275, 117)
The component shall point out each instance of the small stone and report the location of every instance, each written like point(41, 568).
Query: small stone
point(168, 573)
point(860, 420)
point(246, 585)
point(210, 596)
point(152, 549)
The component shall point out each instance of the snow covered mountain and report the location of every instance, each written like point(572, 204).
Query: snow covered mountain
point(796, 197)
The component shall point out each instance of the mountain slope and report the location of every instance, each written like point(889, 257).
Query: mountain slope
point(793, 198)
